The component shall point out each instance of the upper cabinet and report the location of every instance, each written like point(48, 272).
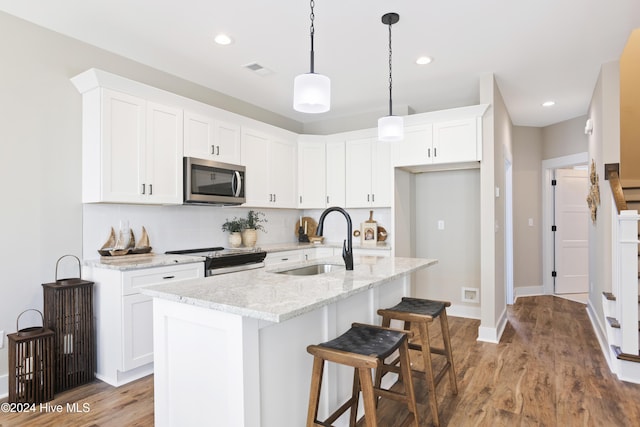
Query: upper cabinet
point(271, 169)
point(132, 149)
point(312, 172)
point(442, 138)
point(368, 173)
point(335, 167)
point(206, 137)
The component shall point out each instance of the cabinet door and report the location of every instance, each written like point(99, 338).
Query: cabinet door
point(137, 333)
point(358, 173)
point(227, 142)
point(254, 155)
point(311, 175)
point(283, 173)
point(415, 148)
point(455, 141)
point(198, 136)
point(274, 259)
point(123, 145)
point(381, 174)
point(163, 183)
point(335, 172)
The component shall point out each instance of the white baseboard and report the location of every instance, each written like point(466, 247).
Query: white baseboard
point(493, 335)
point(527, 291)
point(463, 311)
point(601, 335)
point(4, 386)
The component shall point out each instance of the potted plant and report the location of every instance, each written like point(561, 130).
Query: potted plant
point(252, 224)
point(234, 227)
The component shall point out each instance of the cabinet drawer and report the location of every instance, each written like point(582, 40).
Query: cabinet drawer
point(132, 280)
point(275, 258)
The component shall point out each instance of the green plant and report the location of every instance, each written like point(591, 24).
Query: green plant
point(235, 225)
point(254, 220)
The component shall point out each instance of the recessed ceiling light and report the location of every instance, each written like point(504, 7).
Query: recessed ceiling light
point(223, 39)
point(549, 103)
point(424, 60)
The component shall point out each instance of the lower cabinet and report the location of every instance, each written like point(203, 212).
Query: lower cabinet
point(124, 318)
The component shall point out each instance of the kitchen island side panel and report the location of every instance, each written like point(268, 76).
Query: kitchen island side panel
point(231, 370)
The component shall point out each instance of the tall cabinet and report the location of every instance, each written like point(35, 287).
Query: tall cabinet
point(368, 180)
point(131, 149)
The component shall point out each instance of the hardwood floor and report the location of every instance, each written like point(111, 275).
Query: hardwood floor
point(548, 370)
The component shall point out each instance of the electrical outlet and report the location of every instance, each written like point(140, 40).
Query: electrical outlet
point(440, 225)
point(1, 339)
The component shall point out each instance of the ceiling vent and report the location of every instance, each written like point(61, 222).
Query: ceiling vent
point(258, 69)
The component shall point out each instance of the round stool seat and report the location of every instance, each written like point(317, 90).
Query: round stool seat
point(367, 341)
point(419, 306)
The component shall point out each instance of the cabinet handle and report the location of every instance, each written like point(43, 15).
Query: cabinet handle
point(306, 257)
point(368, 198)
point(143, 188)
point(168, 277)
point(373, 197)
point(428, 152)
point(300, 199)
point(284, 259)
point(270, 197)
point(274, 198)
point(217, 150)
point(150, 189)
point(327, 199)
point(435, 152)
point(213, 149)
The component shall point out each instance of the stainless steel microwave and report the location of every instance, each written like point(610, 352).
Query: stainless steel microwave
point(216, 183)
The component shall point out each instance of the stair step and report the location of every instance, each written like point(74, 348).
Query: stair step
point(625, 356)
point(609, 296)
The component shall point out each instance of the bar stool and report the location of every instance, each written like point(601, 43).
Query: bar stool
point(421, 312)
point(364, 347)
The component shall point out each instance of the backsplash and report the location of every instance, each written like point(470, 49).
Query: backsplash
point(188, 227)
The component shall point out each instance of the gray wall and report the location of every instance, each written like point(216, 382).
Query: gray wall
point(527, 203)
point(564, 138)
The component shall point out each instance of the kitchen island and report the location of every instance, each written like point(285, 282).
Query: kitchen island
point(230, 350)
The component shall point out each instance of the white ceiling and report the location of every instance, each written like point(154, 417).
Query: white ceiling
point(538, 50)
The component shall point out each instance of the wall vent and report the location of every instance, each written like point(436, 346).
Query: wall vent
point(471, 295)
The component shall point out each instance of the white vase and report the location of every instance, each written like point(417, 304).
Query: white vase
point(235, 239)
point(249, 237)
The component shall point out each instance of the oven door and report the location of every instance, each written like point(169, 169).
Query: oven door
point(209, 182)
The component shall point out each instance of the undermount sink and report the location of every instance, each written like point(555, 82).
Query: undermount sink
point(312, 270)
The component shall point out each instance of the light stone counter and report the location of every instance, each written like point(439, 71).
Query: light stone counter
point(265, 294)
point(135, 262)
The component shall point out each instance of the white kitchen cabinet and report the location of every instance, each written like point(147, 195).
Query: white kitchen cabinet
point(335, 173)
point(206, 137)
point(274, 259)
point(453, 141)
point(132, 150)
point(312, 172)
point(456, 141)
point(124, 317)
point(368, 173)
point(271, 170)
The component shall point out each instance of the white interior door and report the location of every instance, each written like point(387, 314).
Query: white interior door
point(571, 239)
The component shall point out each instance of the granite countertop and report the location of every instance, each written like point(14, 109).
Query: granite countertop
point(134, 262)
point(266, 295)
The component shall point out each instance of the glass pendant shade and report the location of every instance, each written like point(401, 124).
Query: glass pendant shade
point(390, 128)
point(312, 93)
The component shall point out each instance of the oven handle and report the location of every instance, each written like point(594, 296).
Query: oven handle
point(236, 183)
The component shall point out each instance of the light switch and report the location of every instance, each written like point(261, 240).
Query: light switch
point(530, 222)
point(440, 225)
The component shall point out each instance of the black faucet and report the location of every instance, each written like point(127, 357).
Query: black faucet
point(347, 246)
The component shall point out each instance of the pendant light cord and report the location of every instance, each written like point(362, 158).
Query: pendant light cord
point(390, 74)
point(312, 31)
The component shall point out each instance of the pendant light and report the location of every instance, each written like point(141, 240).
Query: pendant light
point(390, 128)
point(311, 91)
